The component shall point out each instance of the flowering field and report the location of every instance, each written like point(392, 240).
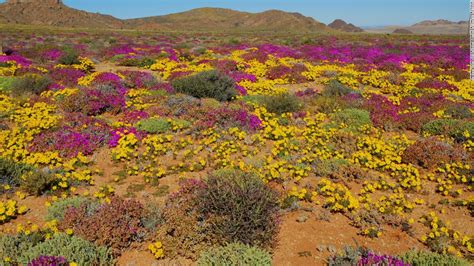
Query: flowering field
point(194, 150)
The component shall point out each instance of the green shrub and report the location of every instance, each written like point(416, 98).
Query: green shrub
point(348, 257)
point(38, 182)
point(6, 83)
point(255, 99)
point(208, 84)
point(459, 111)
point(11, 172)
point(422, 258)
point(282, 103)
point(30, 84)
point(71, 248)
point(152, 218)
point(324, 168)
point(449, 127)
point(154, 125)
point(138, 62)
point(336, 89)
point(353, 118)
point(240, 208)
point(229, 206)
point(327, 105)
point(235, 254)
point(69, 57)
point(13, 246)
point(180, 123)
point(58, 208)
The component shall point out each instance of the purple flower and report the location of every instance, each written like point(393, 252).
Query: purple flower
point(19, 60)
point(53, 54)
point(48, 261)
point(371, 259)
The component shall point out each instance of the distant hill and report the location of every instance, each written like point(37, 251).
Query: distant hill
point(56, 13)
point(207, 19)
point(341, 25)
point(53, 13)
point(440, 26)
point(402, 31)
point(439, 22)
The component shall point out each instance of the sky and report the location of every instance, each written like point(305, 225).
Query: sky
point(359, 12)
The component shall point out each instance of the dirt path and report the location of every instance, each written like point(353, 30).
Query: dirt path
point(111, 67)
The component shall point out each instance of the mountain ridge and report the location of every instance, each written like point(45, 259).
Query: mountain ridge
point(434, 27)
point(207, 18)
point(56, 13)
point(339, 24)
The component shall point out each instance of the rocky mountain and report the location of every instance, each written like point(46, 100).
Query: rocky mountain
point(341, 25)
point(56, 13)
point(53, 13)
point(210, 19)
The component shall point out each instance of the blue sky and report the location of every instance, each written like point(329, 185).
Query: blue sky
point(359, 12)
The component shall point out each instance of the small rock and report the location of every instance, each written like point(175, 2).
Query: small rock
point(321, 248)
point(307, 209)
point(302, 219)
point(46, 170)
point(332, 249)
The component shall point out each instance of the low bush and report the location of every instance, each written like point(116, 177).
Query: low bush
point(234, 254)
point(30, 84)
point(208, 84)
point(13, 246)
point(57, 210)
point(328, 105)
point(154, 125)
point(116, 224)
point(6, 83)
point(431, 152)
point(352, 118)
point(414, 121)
point(11, 172)
point(336, 89)
point(240, 208)
point(229, 206)
point(348, 256)
point(38, 182)
point(450, 127)
point(182, 232)
point(69, 57)
point(72, 248)
point(459, 111)
point(153, 217)
point(383, 112)
point(343, 141)
point(137, 62)
point(94, 101)
point(421, 258)
point(324, 168)
point(282, 103)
